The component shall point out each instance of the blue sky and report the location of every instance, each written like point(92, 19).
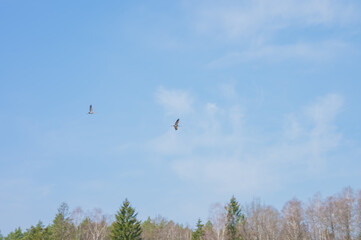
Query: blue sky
point(268, 96)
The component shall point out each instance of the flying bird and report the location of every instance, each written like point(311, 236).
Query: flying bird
point(90, 110)
point(176, 124)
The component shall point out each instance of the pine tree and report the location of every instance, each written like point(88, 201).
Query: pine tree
point(233, 218)
point(126, 226)
point(61, 227)
point(46, 233)
point(34, 233)
point(17, 235)
point(199, 233)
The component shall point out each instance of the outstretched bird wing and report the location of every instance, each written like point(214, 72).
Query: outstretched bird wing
point(176, 124)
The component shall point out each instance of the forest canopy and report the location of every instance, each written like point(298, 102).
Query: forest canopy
point(333, 217)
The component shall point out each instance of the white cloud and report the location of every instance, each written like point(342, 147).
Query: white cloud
point(240, 19)
point(227, 175)
point(211, 108)
point(324, 111)
point(174, 101)
point(309, 135)
point(219, 149)
point(324, 136)
point(319, 51)
point(276, 30)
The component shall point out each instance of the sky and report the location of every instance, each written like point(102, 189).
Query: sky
point(267, 93)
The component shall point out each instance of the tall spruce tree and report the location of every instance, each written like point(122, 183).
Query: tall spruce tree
point(233, 219)
point(199, 232)
point(126, 226)
point(61, 227)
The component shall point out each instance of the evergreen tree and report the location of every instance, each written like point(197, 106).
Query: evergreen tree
point(233, 218)
point(126, 226)
point(83, 231)
point(1, 236)
point(61, 227)
point(35, 233)
point(46, 235)
point(199, 233)
point(17, 235)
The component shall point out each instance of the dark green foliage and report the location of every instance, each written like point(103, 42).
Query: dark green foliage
point(35, 233)
point(16, 235)
point(126, 226)
point(46, 234)
point(199, 232)
point(1, 236)
point(62, 227)
point(233, 219)
point(83, 227)
point(39, 232)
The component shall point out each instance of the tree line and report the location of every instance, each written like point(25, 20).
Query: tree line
point(336, 217)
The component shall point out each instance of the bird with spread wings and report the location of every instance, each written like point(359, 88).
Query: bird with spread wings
point(176, 124)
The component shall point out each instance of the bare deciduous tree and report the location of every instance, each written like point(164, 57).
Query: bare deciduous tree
point(77, 216)
point(317, 220)
point(98, 226)
point(262, 222)
point(218, 219)
point(358, 216)
point(344, 214)
point(293, 226)
point(209, 233)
